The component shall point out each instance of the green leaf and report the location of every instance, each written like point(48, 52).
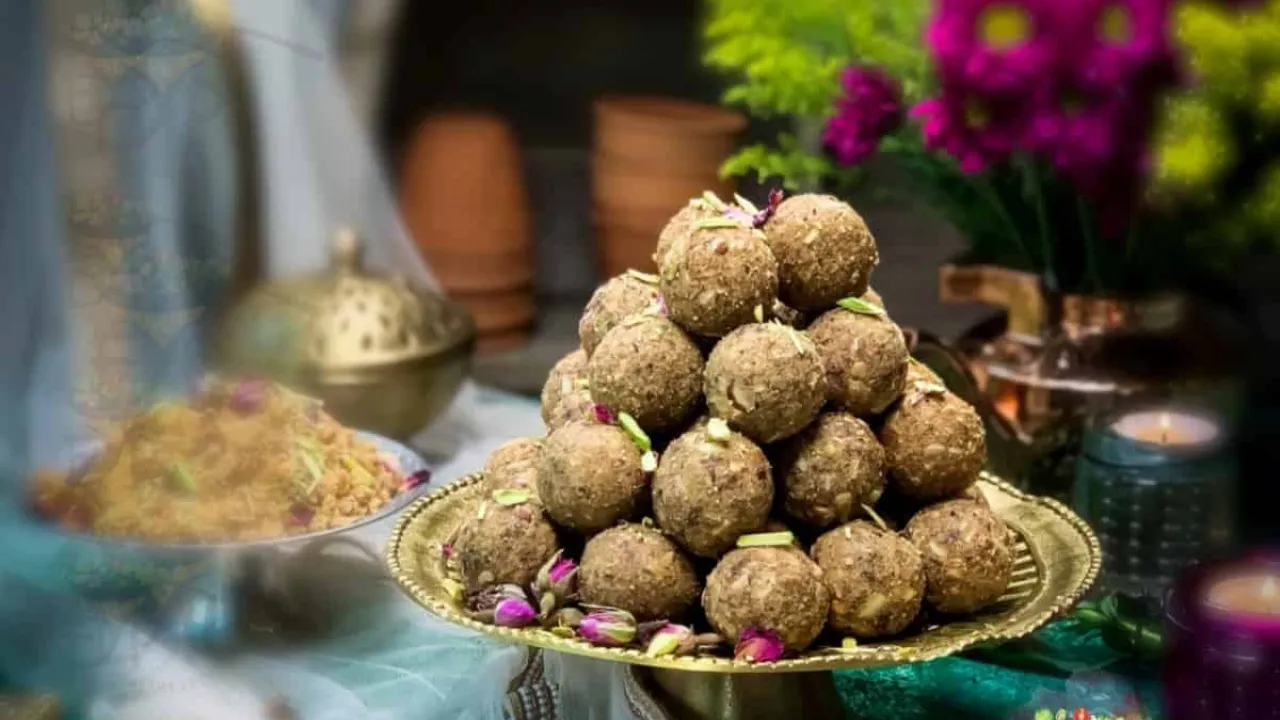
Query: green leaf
point(637, 433)
point(182, 477)
point(716, 222)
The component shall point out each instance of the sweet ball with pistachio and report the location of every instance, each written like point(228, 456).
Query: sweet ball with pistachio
point(566, 395)
point(766, 380)
point(504, 542)
point(715, 277)
point(638, 569)
point(774, 589)
point(967, 552)
point(832, 471)
point(934, 442)
point(876, 578)
point(648, 368)
point(824, 251)
point(685, 222)
point(592, 477)
point(630, 293)
point(514, 465)
point(712, 485)
point(864, 355)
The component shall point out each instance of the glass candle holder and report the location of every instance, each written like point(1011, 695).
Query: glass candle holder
point(1222, 640)
point(1157, 486)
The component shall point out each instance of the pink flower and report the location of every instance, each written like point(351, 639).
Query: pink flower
point(608, 627)
point(992, 47)
point(976, 132)
point(556, 576)
point(514, 612)
point(1116, 45)
point(756, 645)
point(870, 108)
point(766, 212)
point(603, 415)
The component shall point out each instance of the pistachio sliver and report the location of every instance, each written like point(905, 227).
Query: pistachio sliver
point(511, 496)
point(714, 201)
point(643, 277)
point(875, 517)
point(637, 433)
point(768, 539)
point(718, 429)
point(182, 477)
point(860, 306)
point(746, 204)
point(649, 461)
point(758, 313)
point(716, 222)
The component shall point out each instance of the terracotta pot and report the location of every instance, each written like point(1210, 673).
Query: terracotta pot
point(504, 341)
point(621, 250)
point(463, 199)
point(468, 272)
point(498, 312)
point(616, 188)
point(664, 133)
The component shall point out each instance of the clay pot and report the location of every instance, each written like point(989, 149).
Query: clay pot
point(463, 199)
point(665, 134)
point(622, 250)
point(498, 312)
point(620, 187)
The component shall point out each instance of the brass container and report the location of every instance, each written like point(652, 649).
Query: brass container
point(383, 356)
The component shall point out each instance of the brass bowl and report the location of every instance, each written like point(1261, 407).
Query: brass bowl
point(1057, 560)
point(383, 356)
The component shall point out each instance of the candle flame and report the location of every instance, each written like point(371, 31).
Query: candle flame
point(1165, 424)
point(1268, 590)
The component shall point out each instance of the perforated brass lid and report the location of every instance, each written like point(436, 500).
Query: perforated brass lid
point(339, 320)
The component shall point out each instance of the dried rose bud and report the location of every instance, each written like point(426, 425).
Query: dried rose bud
point(602, 414)
point(671, 640)
point(422, 477)
point(557, 576)
point(762, 217)
point(301, 514)
point(248, 395)
point(610, 628)
point(514, 613)
point(755, 645)
point(488, 598)
point(448, 551)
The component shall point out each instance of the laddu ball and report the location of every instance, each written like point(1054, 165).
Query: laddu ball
point(640, 570)
point(566, 395)
point(648, 368)
point(619, 298)
point(504, 544)
point(934, 443)
point(712, 485)
point(865, 358)
point(681, 225)
point(831, 470)
point(513, 465)
point(766, 380)
point(876, 578)
point(968, 556)
point(774, 589)
point(591, 477)
point(717, 278)
point(824, 251)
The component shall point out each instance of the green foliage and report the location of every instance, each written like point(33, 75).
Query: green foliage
point(786, 57)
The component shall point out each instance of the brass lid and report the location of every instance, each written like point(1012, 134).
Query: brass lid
point(343, 319)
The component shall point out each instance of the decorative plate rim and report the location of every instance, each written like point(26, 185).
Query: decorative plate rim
point(812, 661)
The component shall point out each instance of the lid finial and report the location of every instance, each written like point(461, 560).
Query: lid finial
point(346, 250)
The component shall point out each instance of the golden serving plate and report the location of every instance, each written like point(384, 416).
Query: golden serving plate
point(1057, 559)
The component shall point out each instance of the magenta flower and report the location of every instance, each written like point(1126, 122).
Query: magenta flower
point(992, 47)
point(608, 627)
point(514, 612)
point(1116, 45)
point(870, 108)
point(976, 132)
point(419, 478)
point(756, 645)
point(1080, 139)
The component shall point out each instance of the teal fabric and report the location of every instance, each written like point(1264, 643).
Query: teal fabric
point(1066, 670)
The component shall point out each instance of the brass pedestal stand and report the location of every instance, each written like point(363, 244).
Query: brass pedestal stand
point(721, 696)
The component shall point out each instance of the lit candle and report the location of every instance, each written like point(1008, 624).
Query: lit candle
point(1167, 427)
point(1249, 594)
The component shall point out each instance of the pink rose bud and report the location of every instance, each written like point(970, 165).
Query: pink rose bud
point(514, 612)
point(755, 645)
point(422, 477)
point(662, 305)
point(248, 395)
point(762, 217)
point(603, 415)
point(738, 215)
point(670, 640)
point(611, 628)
